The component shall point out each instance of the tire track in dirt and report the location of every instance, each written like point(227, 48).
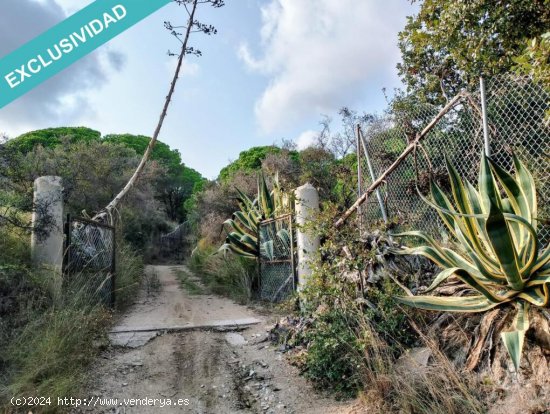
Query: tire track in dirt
point(217, 372)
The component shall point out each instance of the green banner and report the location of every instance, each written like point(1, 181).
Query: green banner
point(70, 40)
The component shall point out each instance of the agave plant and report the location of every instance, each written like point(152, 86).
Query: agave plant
point(242, 227)
point(497, 256)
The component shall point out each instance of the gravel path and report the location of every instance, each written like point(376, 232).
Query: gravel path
point(176, 348)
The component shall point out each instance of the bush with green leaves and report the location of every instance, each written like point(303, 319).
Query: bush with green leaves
point(339, 323)
point(248, 161)
point(497, 257)
point(334, 351)
point(387, 317)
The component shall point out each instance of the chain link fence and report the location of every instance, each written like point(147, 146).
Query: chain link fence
point(89, 262)
point(276, 261)
point(516, 109)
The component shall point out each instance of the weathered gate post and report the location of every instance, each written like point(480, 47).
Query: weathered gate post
point(47, 246)
point(307, 243)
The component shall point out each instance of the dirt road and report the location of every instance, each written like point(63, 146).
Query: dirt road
point(179, 348)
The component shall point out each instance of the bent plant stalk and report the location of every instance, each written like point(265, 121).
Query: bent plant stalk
point(498, 255)
point(106, 215)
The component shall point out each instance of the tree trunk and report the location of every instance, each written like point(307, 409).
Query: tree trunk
point(106, 215)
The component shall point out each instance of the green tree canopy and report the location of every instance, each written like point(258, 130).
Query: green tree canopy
point(248, 161)
point(535, 60)
point(177, 185)
point(448, 44)
point(162, 153)
point(52, 137)
point(173, 187)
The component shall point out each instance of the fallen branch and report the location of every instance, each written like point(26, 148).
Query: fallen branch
point(399, 160)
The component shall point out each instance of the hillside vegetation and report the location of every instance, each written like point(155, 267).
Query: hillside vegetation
point(46, 341)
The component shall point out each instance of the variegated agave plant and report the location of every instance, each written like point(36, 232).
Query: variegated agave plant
point(498, 255)
point(242, 227)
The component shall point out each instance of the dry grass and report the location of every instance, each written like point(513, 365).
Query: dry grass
point(343, 350)
point(47, 355)
point(52, 340)
point(409, 388)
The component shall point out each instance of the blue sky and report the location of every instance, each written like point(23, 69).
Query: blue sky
point(274, 68)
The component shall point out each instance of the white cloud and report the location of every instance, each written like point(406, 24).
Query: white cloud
point(188, 68)
point(64, 97)
point(321, 54)
point(70, 6)
point(306, 139)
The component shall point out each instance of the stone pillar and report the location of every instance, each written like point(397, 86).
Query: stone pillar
point(47, 240)
point(307, 208)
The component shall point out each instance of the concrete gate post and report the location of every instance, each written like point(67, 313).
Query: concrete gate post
point(307, 208)
point(47, 247)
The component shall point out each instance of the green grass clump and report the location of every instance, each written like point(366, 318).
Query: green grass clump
point(51, 342)
point(14, 248)
point(48, 342)
point(189, 284)
point(50, 355)
point(130, 271)
point(230, 276)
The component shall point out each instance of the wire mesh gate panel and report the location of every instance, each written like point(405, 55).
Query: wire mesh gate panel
point(516, 108)
point(175, 242)
point(89, 263)
point(276, 260)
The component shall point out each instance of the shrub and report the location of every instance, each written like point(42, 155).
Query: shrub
point(47, 342)
point(232, 276)
point(351, 337)
point(391, 322)
point(334, 352)
point(14, 247)
point(336, 339)
point(352, 351)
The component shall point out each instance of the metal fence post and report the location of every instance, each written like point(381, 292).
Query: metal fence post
point(359, 175)
point(113, 271)
point(486, 142)
point(292, 253)
point(373, 177)
point(67, 247)
point(257, 284)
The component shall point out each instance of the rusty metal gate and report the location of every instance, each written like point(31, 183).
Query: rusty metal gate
point(276, 260)
point(89, 262)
